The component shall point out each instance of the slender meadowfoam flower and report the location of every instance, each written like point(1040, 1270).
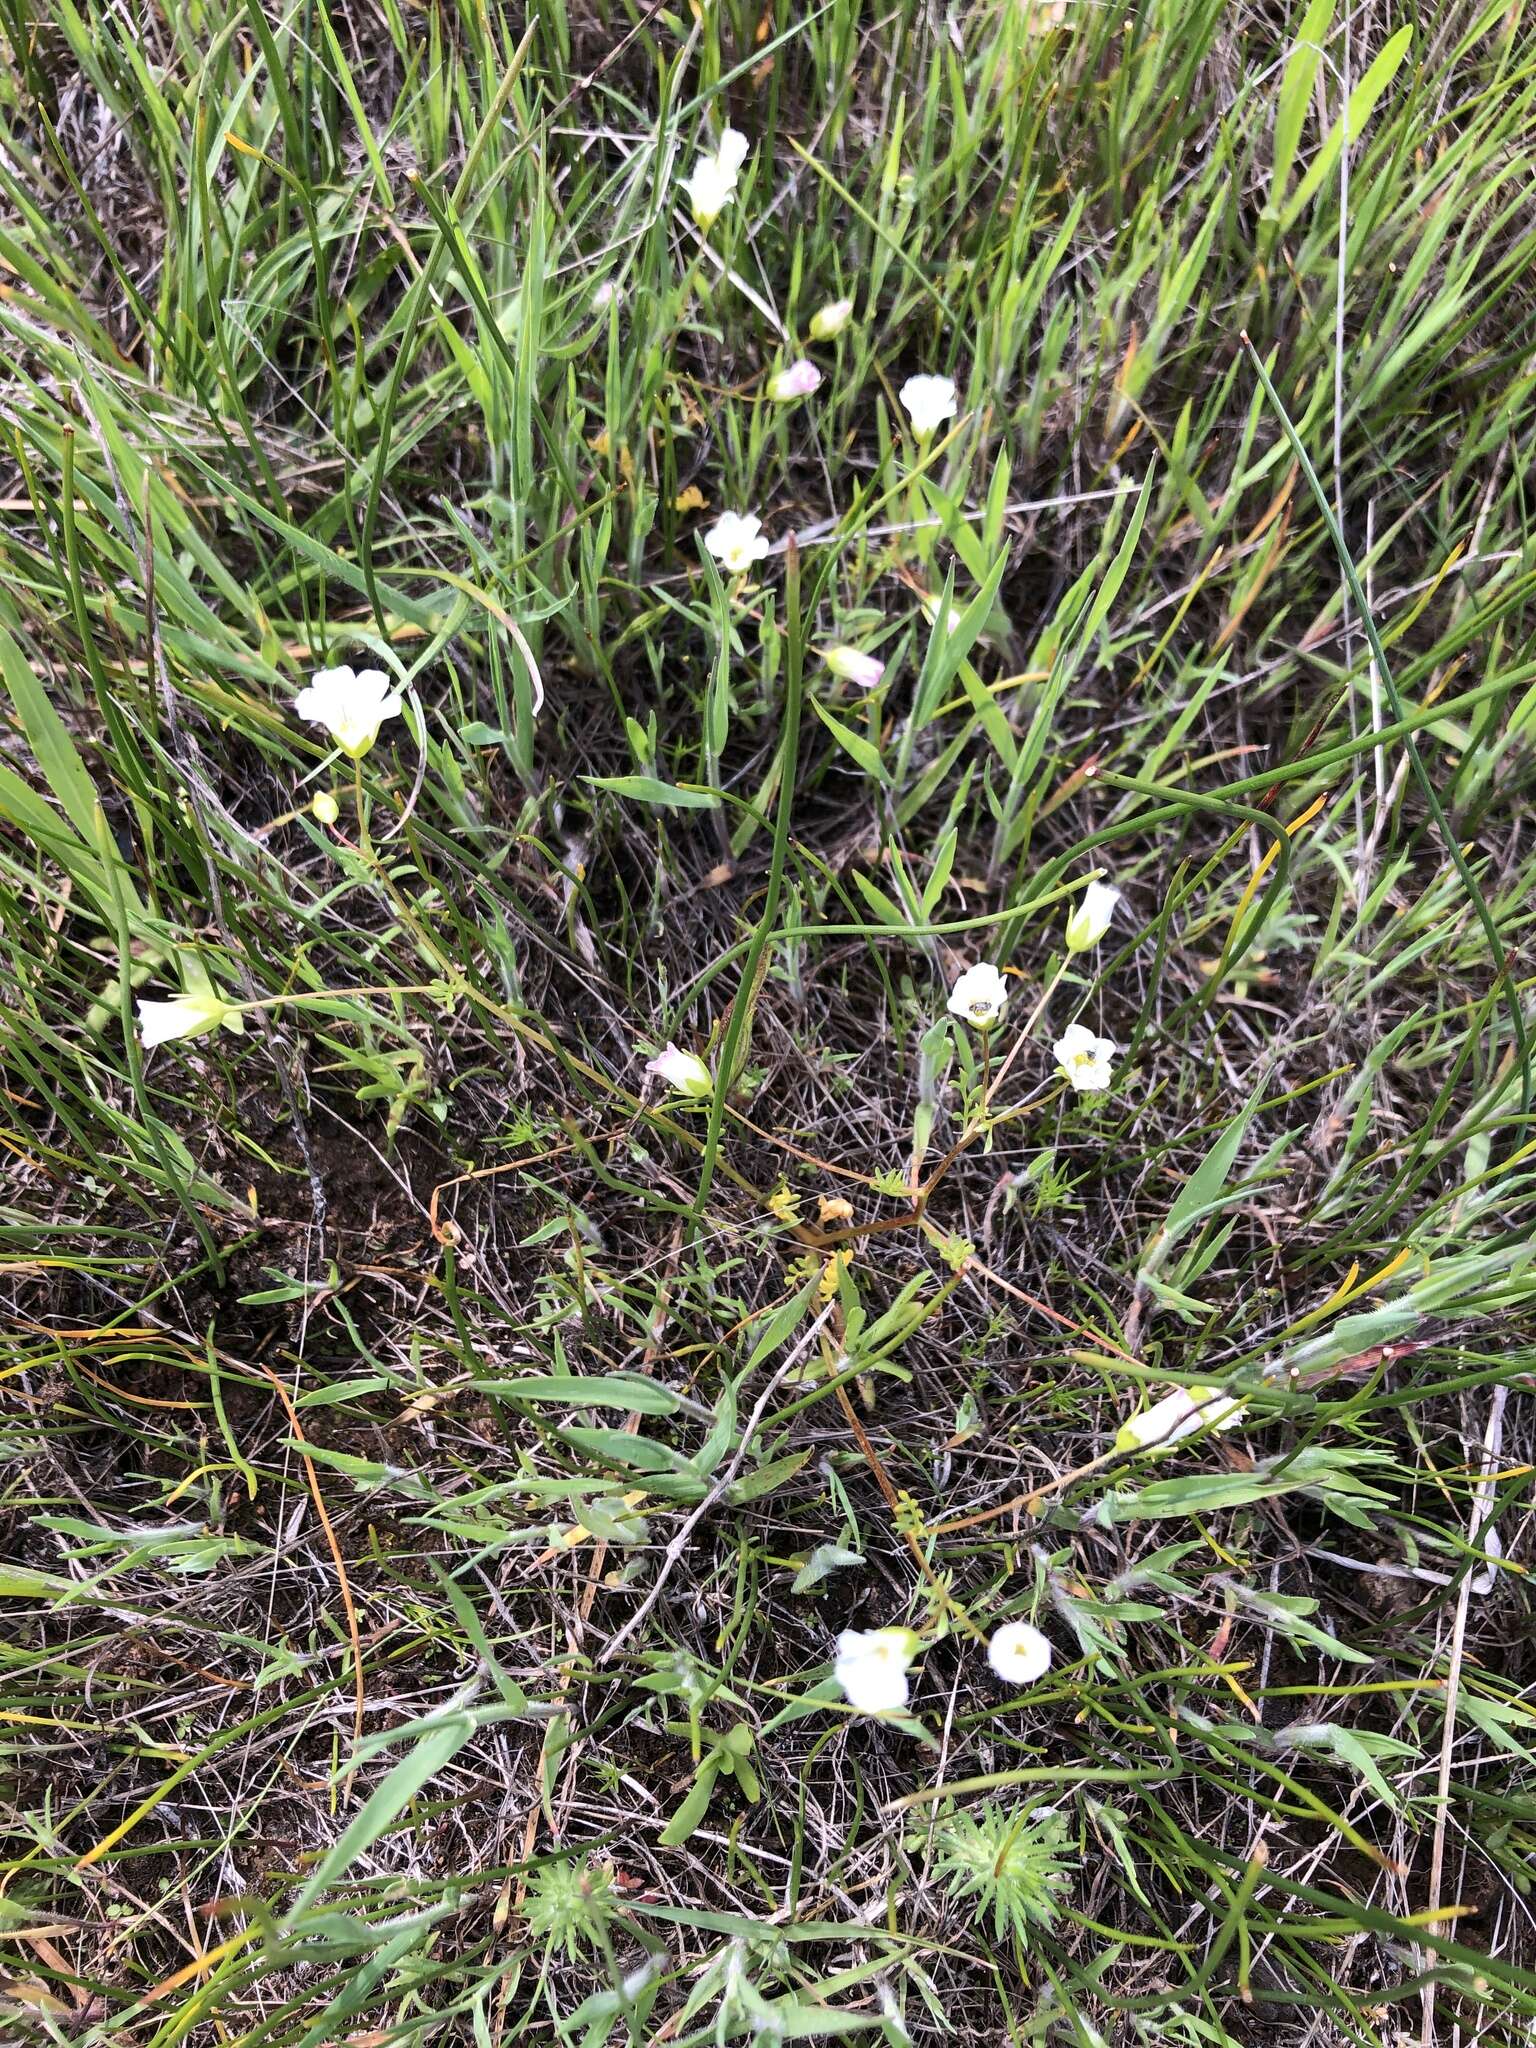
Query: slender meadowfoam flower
point(1090, 920)
point(978, 996)
point(186, 1016)
point(829, 321)
point(1179, 1414)
point(1083, 1059)
point(798, 381)
point(683, 1071)
point(711, 186)
point(852, 665)
point(929, 402)
point(871, 1667)
point(351, 704)
point(736, 541)
point(1018, 1653)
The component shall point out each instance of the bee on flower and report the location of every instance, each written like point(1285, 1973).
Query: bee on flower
point(1083, 1058)
point(979, 996)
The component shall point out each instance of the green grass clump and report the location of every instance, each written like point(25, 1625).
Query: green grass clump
point(571, 1906)
point(1011, 1862)
point(509, 1257)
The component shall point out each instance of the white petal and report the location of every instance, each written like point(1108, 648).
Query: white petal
point(1181, 1412)
point(732, 152)
point(684, 1071)
point(183, 1016)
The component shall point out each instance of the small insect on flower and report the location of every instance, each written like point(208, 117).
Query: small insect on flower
point(979, 996)
point(828, 321)
point(798, 381)
point(186, 1016)
point(871, 1667)
point(1090, 920)
point(929, 402)
point(736, 541)
point(1179, 1414)
point(711, 185)
point(683, 1071)
point(1083, 1059)
point(852, 665)
point(351, 704)
point(1018, 1653)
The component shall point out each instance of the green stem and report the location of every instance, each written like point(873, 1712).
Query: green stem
point(732, 1051)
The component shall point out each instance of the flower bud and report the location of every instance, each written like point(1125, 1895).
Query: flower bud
point(852, 665)
point(1091, 919)
point(798, 381)
point(830, 320)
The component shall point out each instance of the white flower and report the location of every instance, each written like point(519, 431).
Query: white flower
point(978, 996)
point(351, 704)
point(712, 185)
point(798, 381)
point(830, 320)
point(736, 540)
point(950, 620)
point(1177, 1415)
point(186, 1016)
point(929, 402)
point(1019, 1653)
point(1083, 1059)
point(605, 295)
point(1090, 920)
point(852, 665)
point(684, 1071)
point(871, 1667)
